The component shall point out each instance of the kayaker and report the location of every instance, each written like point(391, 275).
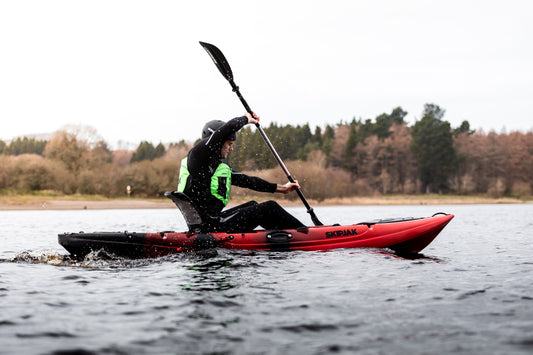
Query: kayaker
point(206, 179)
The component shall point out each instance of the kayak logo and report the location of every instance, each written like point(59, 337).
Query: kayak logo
point(341, 233)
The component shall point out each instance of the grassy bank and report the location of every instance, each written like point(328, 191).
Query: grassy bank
point(12, 200)
point(55, 201)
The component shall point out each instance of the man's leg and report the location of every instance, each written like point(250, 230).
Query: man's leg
point(269, 215)
point(276, 217)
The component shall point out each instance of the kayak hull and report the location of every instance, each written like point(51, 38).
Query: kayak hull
point(404, 236)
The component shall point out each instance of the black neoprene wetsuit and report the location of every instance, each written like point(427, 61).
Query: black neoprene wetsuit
point(202, 162)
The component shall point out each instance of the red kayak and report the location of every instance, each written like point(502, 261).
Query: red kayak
point(404, 236)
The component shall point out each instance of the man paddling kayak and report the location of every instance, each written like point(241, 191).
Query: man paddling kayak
point(206, 179)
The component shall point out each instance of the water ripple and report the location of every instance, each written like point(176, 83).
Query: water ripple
point(469, 293)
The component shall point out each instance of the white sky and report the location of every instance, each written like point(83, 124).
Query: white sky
point(134, 69)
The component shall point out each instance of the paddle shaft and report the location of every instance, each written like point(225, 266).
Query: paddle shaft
point(223, 66)
point(310, 210)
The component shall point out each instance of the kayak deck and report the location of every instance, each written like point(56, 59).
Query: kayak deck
point(404, 236)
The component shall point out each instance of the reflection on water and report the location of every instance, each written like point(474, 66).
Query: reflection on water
point(207, 262)
point(207, 275)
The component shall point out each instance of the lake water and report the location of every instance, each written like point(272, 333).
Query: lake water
point(471, 293)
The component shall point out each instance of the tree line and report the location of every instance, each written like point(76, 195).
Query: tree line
point(380, 156)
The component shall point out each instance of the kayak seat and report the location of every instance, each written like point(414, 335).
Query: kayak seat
point(188, 210)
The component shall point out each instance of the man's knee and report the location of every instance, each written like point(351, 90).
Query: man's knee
point(271, 205)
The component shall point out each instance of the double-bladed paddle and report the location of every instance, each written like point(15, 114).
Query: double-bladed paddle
point(224, 68)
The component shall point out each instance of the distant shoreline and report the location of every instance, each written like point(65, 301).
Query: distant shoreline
point(33, 203)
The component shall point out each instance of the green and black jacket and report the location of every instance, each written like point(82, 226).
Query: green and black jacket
point(207, 179)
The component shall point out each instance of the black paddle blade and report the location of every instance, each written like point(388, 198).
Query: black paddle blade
point(219, 59)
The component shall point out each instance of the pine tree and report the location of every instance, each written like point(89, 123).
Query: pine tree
point(433, 148)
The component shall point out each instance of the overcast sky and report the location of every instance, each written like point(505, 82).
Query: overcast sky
point(134, 70)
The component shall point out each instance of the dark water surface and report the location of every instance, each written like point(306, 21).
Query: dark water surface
point(472, 293)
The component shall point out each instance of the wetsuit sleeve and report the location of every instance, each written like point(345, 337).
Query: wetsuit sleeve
point(252, 182)
point(209, 148)
point(217, 139)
